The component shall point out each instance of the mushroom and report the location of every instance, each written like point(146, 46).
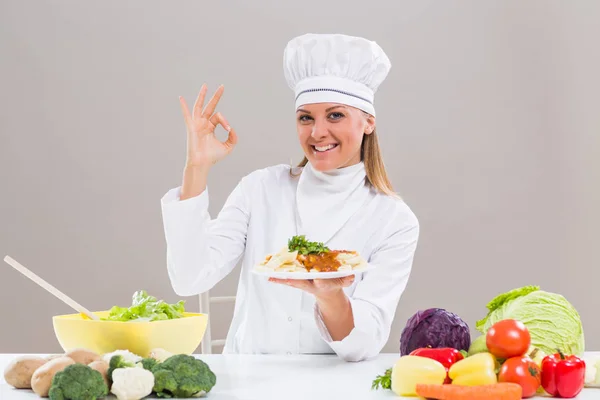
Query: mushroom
point(83, 356)
point(19, 372)
point(102, 367)
point(41, 381)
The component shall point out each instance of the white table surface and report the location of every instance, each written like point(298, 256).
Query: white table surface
point(267, 377)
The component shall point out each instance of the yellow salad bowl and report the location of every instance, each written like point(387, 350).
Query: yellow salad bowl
point(178, 336)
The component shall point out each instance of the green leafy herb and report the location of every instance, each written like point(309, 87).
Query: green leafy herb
point(146, 307)
point(384, 381)
point(305, 247)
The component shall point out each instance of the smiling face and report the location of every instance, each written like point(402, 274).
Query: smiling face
point(331, 134)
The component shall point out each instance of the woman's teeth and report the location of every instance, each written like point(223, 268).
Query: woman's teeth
point(325, 148)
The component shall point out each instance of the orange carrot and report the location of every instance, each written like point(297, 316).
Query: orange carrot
point(495, 391)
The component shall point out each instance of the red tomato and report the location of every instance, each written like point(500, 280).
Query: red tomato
point(523, 371)
point(508, 338)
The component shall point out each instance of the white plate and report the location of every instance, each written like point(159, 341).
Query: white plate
point(311, 275)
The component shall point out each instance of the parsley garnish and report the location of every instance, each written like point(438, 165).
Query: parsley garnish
point(305, 247)
point(384, 381)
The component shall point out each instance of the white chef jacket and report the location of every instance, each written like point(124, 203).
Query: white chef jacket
point(266, 208)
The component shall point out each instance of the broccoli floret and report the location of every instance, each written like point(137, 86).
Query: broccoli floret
point(78, 382)
point(182, 376)
point(117, 361)
point(148, 363)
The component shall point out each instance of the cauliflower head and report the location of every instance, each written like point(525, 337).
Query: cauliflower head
point(132, 383)
point(127, 355)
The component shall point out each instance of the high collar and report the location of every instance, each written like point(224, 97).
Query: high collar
point(326, 200)
point(337, 179)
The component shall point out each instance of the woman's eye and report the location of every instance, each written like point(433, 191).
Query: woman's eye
point(336, 115)
point(304, 118)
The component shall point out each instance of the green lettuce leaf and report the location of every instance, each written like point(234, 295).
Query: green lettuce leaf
point(502, 299)
point(146, 308)
point(552, 321)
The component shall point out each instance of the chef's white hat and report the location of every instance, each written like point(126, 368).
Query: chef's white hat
point(335, 68)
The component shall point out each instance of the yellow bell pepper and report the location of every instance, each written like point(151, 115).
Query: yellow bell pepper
point(478, 369)
point(410, 370)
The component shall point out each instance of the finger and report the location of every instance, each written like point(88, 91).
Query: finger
point(325, 283)
point(348, 280)
point(300, 284)
point(199, 102)
point(334, 283)
point(218, 118)
point(280, 281)
point(231, 140)
point(345, 281)
point(186, 112)
point(212, 104)
point(296, 283)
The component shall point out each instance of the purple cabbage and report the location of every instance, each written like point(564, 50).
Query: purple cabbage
point(436, 328)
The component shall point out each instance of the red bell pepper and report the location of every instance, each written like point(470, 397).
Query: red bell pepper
point(445, 355)
point(563, 376)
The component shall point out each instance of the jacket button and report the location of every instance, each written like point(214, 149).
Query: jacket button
point(290, 319)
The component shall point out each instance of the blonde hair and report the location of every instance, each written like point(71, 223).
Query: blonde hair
point(370, 154)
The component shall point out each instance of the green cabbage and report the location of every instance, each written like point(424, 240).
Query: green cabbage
point(552, 321)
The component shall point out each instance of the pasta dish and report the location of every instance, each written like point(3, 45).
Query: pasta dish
point(303, 256)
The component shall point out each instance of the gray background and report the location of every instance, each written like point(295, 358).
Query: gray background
point(489, 123)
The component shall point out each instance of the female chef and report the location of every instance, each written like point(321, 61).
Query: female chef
point(339, 195)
